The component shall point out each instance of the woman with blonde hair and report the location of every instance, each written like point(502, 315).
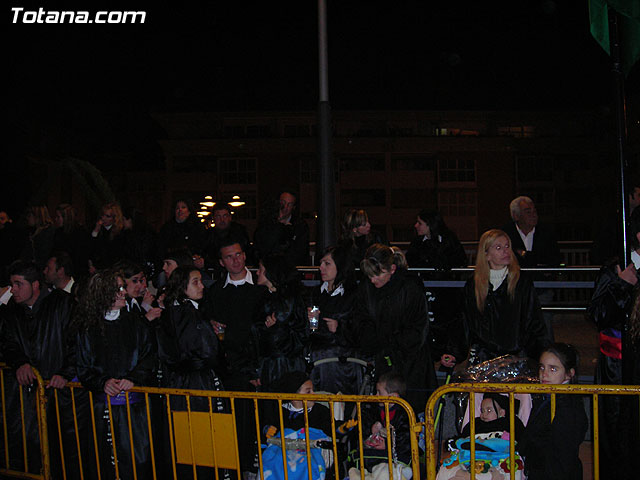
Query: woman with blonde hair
point(357, 233)
point(502, 314)
point(391, 321)
point(107, 241)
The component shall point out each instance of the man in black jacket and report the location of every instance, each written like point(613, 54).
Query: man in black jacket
point(233, 303)
point(36, 335)
point(534, 246)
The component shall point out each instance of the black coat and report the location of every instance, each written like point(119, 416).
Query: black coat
point(188, 348)
point(292, 240)
point(441, 253)
point(335, 377)
point(122, 348)
point(39, 336)
point(550, 449)
point(399, 420)
point(504, 327)
point(280, 348)
point(392, 327)
point(237, 307)
point(106, 249)
point(189, 234)
point(545, 251)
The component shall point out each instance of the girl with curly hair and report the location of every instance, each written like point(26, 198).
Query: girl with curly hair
point(115, 352)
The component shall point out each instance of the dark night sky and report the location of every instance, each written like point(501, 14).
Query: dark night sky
point(81, 89)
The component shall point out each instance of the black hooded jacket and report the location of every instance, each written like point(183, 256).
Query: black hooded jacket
point(392, 327)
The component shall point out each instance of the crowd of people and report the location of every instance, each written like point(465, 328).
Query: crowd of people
point(118, 306)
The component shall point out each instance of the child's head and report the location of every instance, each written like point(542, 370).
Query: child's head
point(391, 384)
point(493, 406)
point(558, 364)
point(296, 382)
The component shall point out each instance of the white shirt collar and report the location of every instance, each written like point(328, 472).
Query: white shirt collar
point(527, 239)
point(635, 258)
point(67, 288)
point(132, 303)
point(339, 290)
point(195, 304)
point(112, 315)
point(496, 277)
point(6, 296)
point(247, 279)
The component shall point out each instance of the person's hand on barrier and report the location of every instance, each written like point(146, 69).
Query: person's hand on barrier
point(348, 425)
point(270, 431)
point(25, 375)
point(629, 274)
point(448, 360)
point(111, 387)
point(271, 320)
point(57, 381)
point(332, 324)
point(153, 314)
point(255, 382)
point(125, 384)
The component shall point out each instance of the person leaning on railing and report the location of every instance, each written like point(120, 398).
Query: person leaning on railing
point(115, 352)
point(550, 446)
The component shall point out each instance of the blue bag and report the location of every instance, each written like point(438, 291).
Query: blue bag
point(296, 459)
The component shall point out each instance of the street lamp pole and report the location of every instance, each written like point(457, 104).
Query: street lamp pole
point(326, 188)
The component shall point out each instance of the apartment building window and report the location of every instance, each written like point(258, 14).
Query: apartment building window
point(413, 164)
point(458, 204)
point(365, 197)
point(521, 131)
point(457, 170)
point(361, 164)
point(238, 170)
point(258, 131)
point(308, 169)
point(194, 163)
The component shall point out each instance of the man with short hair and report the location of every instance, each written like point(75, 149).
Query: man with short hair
point(58, 271)
point(35, 334)
point(224, 228)
point(233, 303)
point(534, 245)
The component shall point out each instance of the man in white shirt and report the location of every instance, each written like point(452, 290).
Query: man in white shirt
point(58, 272)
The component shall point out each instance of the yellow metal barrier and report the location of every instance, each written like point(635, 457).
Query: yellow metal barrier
point(208, 439)
point(511, 389)
point(24, 402)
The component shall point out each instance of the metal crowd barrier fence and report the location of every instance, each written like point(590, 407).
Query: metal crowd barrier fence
point(511, 389)
point(23, 407)
point(190, 437)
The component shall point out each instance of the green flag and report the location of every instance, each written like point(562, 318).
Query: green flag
point(628, 25)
